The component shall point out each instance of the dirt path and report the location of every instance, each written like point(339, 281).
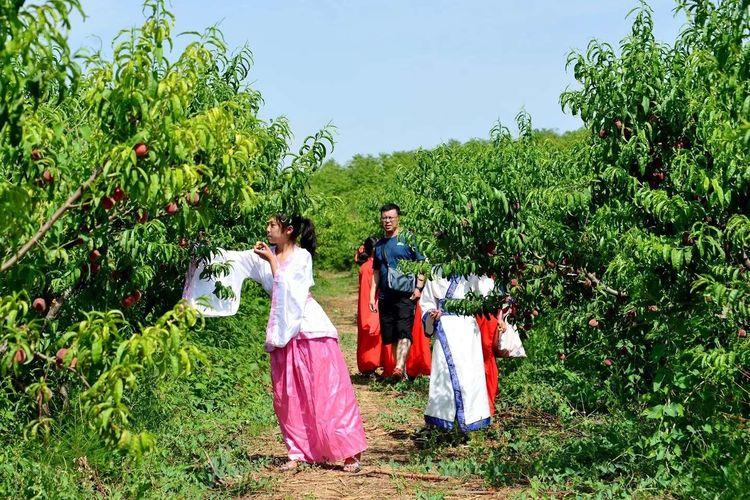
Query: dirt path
point(391, 419)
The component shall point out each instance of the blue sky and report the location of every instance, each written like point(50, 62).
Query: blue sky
point(400, 74)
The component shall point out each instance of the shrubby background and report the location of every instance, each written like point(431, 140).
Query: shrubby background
point(625, 244)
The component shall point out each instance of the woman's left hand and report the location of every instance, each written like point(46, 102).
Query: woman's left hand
point(264, 251)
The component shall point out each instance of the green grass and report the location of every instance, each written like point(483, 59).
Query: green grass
point(206, 423)
point(537, 441)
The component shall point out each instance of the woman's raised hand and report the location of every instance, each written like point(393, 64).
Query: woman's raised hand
point(264, 251)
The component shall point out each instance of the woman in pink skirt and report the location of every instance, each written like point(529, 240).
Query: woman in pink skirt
point(312, 393)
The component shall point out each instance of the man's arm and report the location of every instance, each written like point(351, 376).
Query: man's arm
point(420, 277)
point(417, 293)
point(420, 281)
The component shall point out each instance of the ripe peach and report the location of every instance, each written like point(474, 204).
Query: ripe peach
point(108, 202)
point(141, 150)
point(94, 255)
point(60, 355)
point(39, 305)
point(20, 356)
point(118, 194)
point(193, 198)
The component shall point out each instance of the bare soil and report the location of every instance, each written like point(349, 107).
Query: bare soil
point(387, 468)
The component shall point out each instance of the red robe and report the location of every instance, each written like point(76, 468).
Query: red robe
point(487, 328)
point(419, 360)
point(369, 343)
point(371, 353)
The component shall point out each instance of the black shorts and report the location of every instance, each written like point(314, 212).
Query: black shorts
point(396, 317)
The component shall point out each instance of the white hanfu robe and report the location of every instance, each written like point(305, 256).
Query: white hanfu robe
point(458, 391)
point(313, 395)
point(293, 309)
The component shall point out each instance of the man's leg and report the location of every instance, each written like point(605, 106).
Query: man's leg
point(388, 316)
point(404, 326)
point(402, 352)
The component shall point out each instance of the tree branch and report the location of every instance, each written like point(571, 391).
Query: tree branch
point(586, 274)
point(48, 225)
point(111, 218)
point(408, 475)
point(599, 284)
point(72, 370)
point(57, 303)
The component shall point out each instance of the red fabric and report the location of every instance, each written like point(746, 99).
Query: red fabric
point(369, 343)
point(388, 360)
point(371, 353)
point(419, 360)
point(487, 328)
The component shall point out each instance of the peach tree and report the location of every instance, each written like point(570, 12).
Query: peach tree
point(630, 248)
point(116, 171)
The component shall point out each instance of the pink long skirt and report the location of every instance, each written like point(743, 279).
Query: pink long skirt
point(314, 401)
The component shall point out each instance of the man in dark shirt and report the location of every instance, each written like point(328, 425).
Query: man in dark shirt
point(396, 308)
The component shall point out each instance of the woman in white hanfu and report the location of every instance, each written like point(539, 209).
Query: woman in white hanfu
point(312, 393)
point(458, 391)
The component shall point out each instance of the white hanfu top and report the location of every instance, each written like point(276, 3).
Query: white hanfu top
point(458, 391)
point(293, 310)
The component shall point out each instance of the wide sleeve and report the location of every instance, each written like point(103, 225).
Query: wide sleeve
point(291, 288)
point(199, 292)
point(483, 285)
point(256, 268)
point(434, 290)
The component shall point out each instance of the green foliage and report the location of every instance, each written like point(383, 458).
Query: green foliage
point(204, 424)
point(631, 245)
point(114, 174)
point(347, 201)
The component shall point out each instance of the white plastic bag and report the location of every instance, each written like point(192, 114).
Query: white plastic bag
point(510, 342)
